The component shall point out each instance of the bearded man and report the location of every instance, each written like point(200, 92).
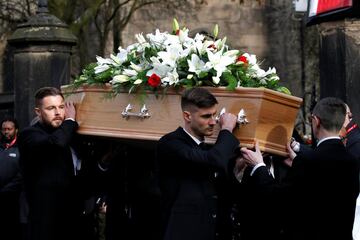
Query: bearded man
point(48, 167)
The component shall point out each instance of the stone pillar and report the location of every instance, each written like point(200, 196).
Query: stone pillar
point(42, 57)
point(340, 61)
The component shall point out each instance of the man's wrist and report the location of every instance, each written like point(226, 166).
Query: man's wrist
point(227, 128)
point(256, 167)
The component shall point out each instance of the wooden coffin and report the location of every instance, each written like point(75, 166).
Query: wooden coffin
point(271, 114)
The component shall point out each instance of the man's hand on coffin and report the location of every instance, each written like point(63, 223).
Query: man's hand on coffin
point(291, 147)
point(70, 111)
point(228, 121)
point(252, 158)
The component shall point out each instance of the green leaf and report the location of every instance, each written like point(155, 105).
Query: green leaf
point(230, 80)
point(203, 75)
point(284, 90)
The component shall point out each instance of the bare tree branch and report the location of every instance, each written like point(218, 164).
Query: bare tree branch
point(116, 9)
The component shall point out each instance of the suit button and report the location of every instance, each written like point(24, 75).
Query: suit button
point(216, 174)
point(213, 215)
point(214, 196)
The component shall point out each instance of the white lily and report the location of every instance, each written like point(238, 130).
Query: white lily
point(215, 80)
point(158, 38)
point(130, 72)
point(207, 44)
point(102, 61)
point(172, 40)
point(119, 79)
point(122, 55)
point(232, 53)
point(132, 47)
point(218, 62)
point(159, 68)
point(140, 38)
point(251, 58)
point(172, 54)
point(271, 71)
point(137, 68)
point(200, 47)
point(115, 59)
point(184, 38)
point(220, 43)
point(270, 74)
point(196, 65)
point(142, 43)
point(260, 73)
point(199, 37)
point(101, 68)
point(171, 78)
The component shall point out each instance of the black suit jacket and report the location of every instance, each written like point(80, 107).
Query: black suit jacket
point(353, 141)
point(260, 212)
point(319, 194)
point(48, 171)
point(188, 181)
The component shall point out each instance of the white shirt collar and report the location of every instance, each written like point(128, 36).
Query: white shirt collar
point(194, 138)
point(327, 138)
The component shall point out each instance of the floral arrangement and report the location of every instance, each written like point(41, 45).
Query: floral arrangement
point(161, 60)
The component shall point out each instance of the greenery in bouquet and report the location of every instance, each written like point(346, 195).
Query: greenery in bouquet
point(161, 60)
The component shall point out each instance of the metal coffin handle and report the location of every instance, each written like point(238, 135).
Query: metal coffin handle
point(241, 117)
point(144, 112)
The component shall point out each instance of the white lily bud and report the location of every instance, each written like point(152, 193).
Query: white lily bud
point(137, 81)
point(115, 59)
point(216, 80)
point(175, 25)
point(216, 31)
point(135, 67)
point(120, 79)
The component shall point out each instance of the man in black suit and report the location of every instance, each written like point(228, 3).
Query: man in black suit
point(351, 135)
point(48, 167)
point(191, 173)
point(321, 189)
point(10, 180)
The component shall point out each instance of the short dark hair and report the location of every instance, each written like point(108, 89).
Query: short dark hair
point(10, 119)
point(331, 111)
point(44, 92)
point(197, 97)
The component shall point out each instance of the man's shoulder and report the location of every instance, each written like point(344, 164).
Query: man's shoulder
point(28, 130)
point(172, 135)
point(177, 138)
point(333, 149)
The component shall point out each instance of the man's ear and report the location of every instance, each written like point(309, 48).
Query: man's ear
point(37, 111)
point(317, 121)
point(187, 116)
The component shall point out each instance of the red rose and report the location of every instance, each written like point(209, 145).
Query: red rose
point(154, 80)
point(242, 59)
